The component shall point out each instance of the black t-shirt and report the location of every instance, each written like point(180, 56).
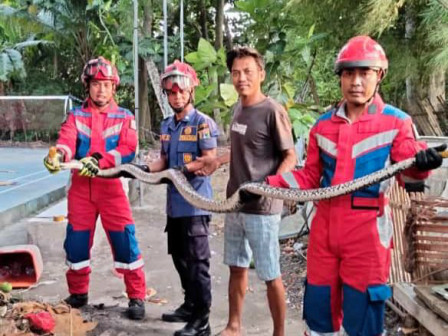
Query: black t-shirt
point(258, 134)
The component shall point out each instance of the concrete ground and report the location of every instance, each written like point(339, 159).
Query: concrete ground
point(107, 302)
point(25, 184)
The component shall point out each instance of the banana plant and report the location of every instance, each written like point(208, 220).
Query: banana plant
point(211, 66)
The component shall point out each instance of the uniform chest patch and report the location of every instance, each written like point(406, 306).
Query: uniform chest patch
point(188, 157)
point(188, 133)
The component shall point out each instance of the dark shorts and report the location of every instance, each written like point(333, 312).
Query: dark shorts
point(188, 236)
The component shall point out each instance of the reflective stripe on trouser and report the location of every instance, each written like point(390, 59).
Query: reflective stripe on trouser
point(87, 199)
point(342, 332)
point(310, 332)
point(347, 259)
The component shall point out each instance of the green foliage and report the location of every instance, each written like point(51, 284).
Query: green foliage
point(294, 59)
point(205, 56)
point(302, 118)
point(435, 17)
point(384, 14)
point(210, 65)
point(12, 49)
point(10, 63)
point(228, 94)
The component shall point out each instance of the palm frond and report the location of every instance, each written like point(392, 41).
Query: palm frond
point(379, 15)
point(31, 43)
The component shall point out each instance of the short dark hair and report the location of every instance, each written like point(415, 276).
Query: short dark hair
point(240, 52)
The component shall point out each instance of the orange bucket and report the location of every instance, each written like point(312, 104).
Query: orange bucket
point(20, 265)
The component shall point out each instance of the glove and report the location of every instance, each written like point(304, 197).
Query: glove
point(144, 168)
point(429, 158)
point(90, 165)
point(414, 186)
point(53, 161)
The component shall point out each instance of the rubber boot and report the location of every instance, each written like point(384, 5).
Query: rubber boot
point(136, 310)
point(182, 314)
point(77, 300)
point(198, 326)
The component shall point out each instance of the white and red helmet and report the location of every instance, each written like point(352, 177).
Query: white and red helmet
point(179, 74)
point(99, 69)
point(359, 52)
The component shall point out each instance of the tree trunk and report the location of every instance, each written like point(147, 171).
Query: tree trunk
point(145, 112)
point(3, 109)
point(222, 138)
point(424, 98)
point(203, 19)
point(219, 24)
point(147, 17)
point(228, 36)
point(424, 92)
point(55, 64)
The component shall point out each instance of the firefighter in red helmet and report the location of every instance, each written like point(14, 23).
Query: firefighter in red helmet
point(350, 240)
point(101, 135)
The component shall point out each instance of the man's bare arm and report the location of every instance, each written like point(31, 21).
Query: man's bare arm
point(289, 161)
point(158, 165)
point(198, 164)
point(211, 164)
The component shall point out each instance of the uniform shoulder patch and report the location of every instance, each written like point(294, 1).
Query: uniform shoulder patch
point(204, 131)
point(203, 126)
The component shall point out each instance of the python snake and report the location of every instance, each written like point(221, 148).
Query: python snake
point(234, 202)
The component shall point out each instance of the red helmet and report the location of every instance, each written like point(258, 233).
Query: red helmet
point(99, 69)
point(361, 51)
point(181, 74)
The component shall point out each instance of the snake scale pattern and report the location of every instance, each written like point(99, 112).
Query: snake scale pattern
point(233, 203)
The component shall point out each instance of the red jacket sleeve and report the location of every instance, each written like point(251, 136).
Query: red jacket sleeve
point(306, 178)
point(405, 146)
point(67, 138)
point(125, 150)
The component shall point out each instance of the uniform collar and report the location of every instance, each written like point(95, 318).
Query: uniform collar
point(185, 119)
point(89, 106)
point(376, 106)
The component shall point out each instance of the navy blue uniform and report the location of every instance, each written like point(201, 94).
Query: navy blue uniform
point(188, 227)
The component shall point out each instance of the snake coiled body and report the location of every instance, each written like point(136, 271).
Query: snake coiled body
point(234, 202)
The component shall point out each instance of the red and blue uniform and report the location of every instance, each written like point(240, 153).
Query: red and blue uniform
point(112, 134)
point(350, 239)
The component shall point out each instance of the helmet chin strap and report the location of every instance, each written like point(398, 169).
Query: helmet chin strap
point(368, 101)
point(377, 87)
point(374, 92)
point(99, 104)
